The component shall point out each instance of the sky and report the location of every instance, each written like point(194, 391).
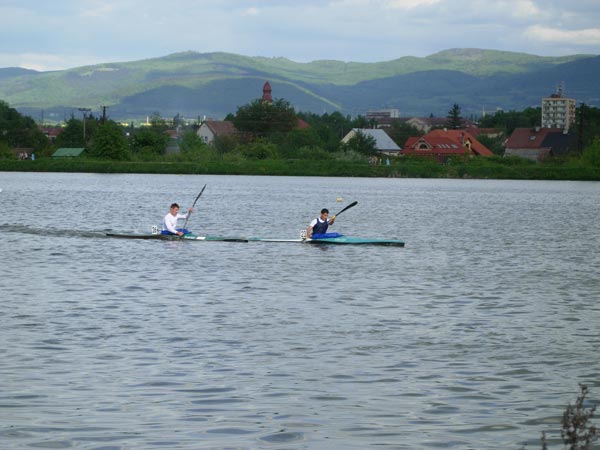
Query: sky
point(62, 34)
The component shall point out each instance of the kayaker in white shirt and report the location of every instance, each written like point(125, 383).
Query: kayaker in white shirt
point(169, 225)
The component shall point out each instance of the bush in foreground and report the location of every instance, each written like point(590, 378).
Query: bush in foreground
point(578, 433)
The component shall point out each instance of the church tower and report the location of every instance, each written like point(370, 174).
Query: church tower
point(266, 97)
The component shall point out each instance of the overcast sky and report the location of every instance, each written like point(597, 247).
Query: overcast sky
point(61, 34)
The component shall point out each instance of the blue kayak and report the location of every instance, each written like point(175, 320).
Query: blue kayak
point(335, 238)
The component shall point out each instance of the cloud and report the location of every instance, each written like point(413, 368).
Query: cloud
point(381, 5)
point(46, 61)
point(586, 37)
point(97, 10)
point(81, 32)
point(250, 12)
point(409, 4)
point(523, 9)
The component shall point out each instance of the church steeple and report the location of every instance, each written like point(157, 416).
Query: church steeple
point(266, 97)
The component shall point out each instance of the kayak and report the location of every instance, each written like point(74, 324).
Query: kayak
point(331, 238)
point(173, 237)
point(335, 238)
point(343, 240)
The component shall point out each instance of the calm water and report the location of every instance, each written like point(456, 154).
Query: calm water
point(473, 336)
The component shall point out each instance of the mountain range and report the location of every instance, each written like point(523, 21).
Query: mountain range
point(198, 85)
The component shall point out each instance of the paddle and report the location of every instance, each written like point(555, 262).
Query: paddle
point(347, 207)
point(194, 204)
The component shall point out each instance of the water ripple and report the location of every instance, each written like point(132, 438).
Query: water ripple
point(475, 335)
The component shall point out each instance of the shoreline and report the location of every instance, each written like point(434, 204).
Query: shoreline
point(399, 169)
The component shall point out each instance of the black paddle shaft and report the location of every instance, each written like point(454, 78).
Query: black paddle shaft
point(194, 204)
point(347, 207)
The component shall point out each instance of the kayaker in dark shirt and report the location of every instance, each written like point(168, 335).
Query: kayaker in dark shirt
point(320, 224)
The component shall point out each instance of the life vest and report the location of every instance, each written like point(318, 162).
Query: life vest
point(320, 227)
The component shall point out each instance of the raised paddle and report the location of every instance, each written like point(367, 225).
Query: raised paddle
point(194, 204)
point(347, 207)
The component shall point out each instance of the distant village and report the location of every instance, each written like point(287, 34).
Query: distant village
point(552, 138)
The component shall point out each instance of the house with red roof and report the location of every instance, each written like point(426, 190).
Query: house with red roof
point(539, 143)
point(302, 124)
point(443, 144)
point(210, 129)
point(51, 132)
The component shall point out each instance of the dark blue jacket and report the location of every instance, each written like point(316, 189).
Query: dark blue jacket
point(320, 227)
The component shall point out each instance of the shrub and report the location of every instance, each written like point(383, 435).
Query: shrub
point(577, 433)
point(591, 154)
point(350, 155)
point(259, 150)
point(5, 152)
point(314, 153)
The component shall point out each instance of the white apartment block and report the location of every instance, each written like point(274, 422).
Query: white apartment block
point(558, 112)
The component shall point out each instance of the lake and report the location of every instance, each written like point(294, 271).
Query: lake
point(473, 336)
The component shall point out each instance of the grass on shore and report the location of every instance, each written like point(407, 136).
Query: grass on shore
point(479, 168)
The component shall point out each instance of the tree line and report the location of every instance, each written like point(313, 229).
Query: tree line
point(266, 130)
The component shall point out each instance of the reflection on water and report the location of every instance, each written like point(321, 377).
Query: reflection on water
point(474, 335)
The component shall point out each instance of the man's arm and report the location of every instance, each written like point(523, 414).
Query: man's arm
point(310, 228)
point(309, 231)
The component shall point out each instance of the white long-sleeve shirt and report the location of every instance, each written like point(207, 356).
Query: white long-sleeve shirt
point(170, 222)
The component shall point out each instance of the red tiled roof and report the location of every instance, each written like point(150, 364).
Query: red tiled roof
point(51, 132)
point(529, 137)
point(302, 125)
point(221, 127)
point(445, 143)
point(410, 142)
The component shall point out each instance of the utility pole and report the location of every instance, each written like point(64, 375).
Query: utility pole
point(581, 130)
point(83, 111)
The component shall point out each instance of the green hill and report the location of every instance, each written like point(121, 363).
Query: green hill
point(214, 84)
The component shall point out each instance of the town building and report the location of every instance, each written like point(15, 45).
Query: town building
point(382, 114)
point(383, 143)
point(558, 111)
point(426, 124)
point(538, 143)
point(444, 144)
point(267, 93)
point(210, 129)
point(267, 97)
point(69, 152)
point(51, 132)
